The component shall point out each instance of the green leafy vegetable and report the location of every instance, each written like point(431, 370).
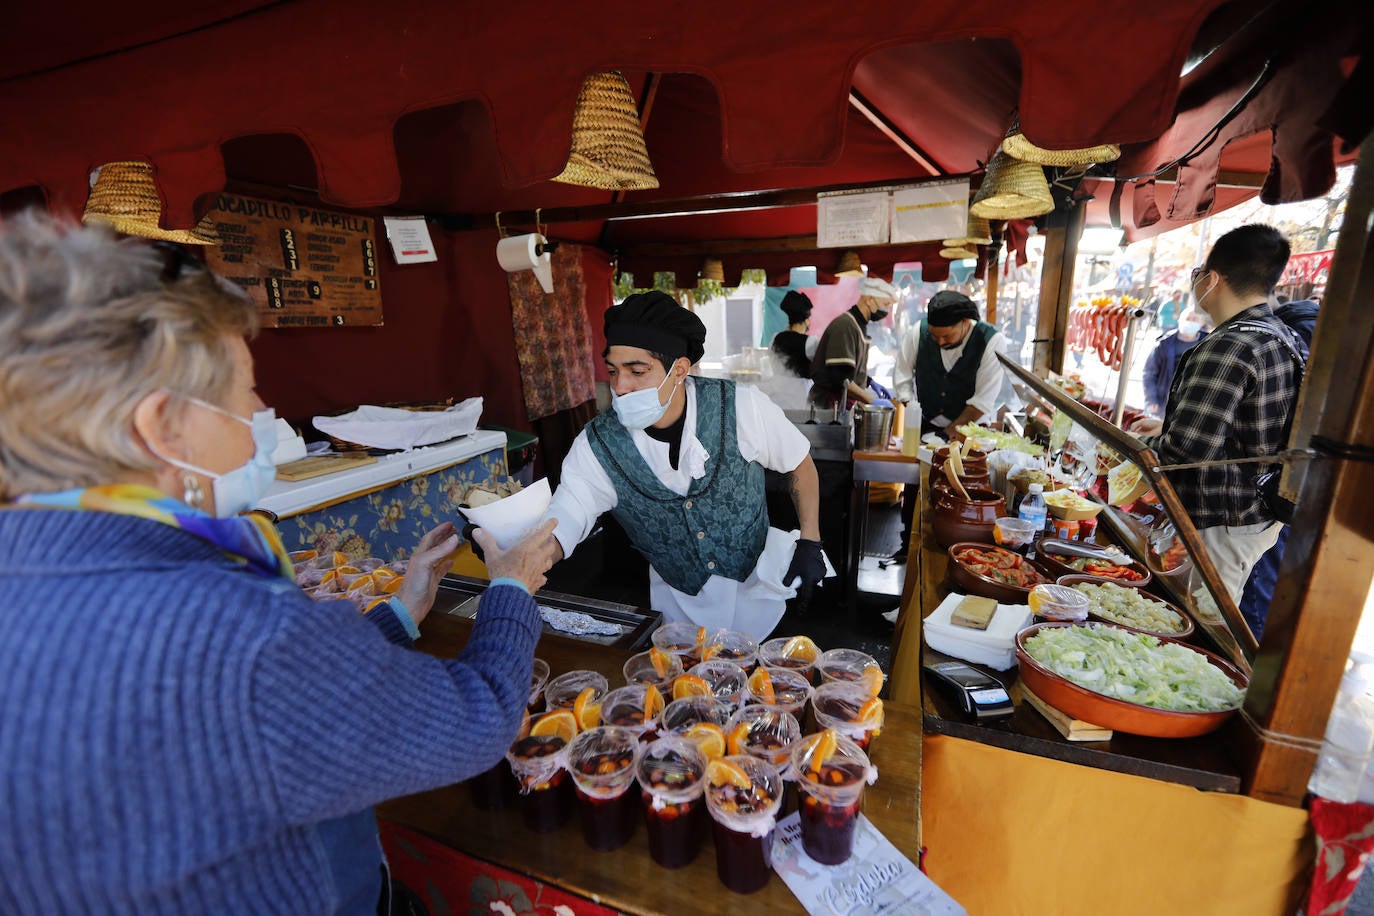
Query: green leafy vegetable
point(981, 436)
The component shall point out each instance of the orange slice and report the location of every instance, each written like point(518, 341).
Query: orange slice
point(801, 648)
point(708, 736)
point(393, 585)
point(329, 576)
point(381, 574)
point(653, 701)
point(373, 603)
point(872, 679)
point(711, 651)
point(701, 640)
point(559, 723)
point(761, 685)
point(822, 750)
point(347, 570)
point(300, 556)
point(871, 709)
point(340, 559)
point(734, 742)
point(691, 685)
point(721, 772)
point(585, 710)
point(662, 661)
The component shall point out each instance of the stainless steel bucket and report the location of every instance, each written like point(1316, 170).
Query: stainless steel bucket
point(872, 428)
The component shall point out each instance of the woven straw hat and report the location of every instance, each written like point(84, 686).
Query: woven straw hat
point(1012, 189)
point(1018, 146)
point(608, 149)
point(125, 197)
point(713, 269)
point(977, 233)
point(850, 265)
point(954, 253)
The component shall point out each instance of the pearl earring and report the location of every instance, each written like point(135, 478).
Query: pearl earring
point(191, 494)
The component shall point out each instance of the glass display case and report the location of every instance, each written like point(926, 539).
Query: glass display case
point(1140, 510)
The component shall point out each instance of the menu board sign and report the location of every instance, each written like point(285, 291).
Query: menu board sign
point(305, 268)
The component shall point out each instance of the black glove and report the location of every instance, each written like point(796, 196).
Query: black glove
point(808, 565)
point(468, 529)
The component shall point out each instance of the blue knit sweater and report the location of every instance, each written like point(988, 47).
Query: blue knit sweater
point(181, 736)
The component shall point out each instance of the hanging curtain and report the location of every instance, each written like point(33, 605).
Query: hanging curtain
point(552, 340)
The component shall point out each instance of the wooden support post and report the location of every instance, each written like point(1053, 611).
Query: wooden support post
point(1056, 291)
point(1328, 564)
point(993, 274)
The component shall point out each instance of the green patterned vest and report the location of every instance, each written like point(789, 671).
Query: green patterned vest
point(940, 392)
point(719, 527)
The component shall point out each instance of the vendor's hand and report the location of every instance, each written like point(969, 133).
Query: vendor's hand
point(1147, 426)
point(953, 435)
point(881, 402)
point(431, 560)
point(527, 561)
point(882, 391)
point(808, 566)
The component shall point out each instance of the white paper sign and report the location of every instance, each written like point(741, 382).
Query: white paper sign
point(930, 212)
point(409, 239)
point(876, 881)
point(851, 220)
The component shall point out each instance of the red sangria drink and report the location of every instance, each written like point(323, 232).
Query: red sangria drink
point(681, 715)
point(655, 667)
point(850, 665)
point(796, 653)
point(787, 689)
point(848, 708)
point(831, 772)
point(602, 763)
point(726, 681)
point(683, 639)
point(766, 732)
point(563, 691)
point(671, 775)
point(537, 760)
point(539, 676)
point(742, 795)
point(494, 789)
point(636, 708)
point(731, 646)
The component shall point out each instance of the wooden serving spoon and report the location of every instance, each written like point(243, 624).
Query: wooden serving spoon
point(956, 482)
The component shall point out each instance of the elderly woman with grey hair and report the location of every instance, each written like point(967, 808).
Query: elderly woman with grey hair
point(186, 731)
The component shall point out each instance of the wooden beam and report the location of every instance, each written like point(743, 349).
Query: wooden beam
point(1226, 178)
point(730, 246)
point(1327, 567)
point(1056, 290)
point(893, 133)
point(993, 274)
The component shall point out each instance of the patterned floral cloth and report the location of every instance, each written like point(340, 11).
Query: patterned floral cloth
point(390, 522)
point(552, 340)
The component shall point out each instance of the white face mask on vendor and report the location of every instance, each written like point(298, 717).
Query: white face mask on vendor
point(238, 490)
point(641, 409)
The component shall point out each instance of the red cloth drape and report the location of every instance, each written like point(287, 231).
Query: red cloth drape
point(552, 340)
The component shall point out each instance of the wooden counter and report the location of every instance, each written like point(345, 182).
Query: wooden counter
point(627, 879)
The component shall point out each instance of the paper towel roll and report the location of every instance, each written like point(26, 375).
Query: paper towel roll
point(522, 252)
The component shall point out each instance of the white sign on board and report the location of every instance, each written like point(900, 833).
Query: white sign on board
point(852, 220)
point(930, 212)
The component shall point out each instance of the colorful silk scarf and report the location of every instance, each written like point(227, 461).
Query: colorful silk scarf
point(248, 539)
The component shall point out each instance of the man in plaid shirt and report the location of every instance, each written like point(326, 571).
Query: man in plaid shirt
point(1232, 397)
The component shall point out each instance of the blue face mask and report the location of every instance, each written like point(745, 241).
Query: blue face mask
point(640, 409)
point(238, 490)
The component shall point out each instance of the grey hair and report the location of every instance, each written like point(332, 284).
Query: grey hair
point(88, 328)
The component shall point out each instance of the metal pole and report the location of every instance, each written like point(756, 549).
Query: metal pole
point(1127, 351)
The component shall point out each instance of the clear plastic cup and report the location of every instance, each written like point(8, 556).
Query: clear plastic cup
point(562, 691)
point(844, 665)
point(680, 715)
point(744, 820)
point(1013, 533)
point(726, 679)
point(789, 652)
point(639, 669)
point(671, 775)
point(539, 676)
point(631, 708)
point(768, 733)
point(1059, 602)
point(791, 688)
point(538, 763)
point(681, 638)
point(831, 795)
point(848, 709)
point(602, 763)
point(731, 646)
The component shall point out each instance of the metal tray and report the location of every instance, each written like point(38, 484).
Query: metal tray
point(460, 595)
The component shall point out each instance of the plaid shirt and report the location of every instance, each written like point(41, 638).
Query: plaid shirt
point(1232, 397)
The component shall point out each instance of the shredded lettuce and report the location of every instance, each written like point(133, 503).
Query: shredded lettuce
point(982, 437)
point(1135, 667)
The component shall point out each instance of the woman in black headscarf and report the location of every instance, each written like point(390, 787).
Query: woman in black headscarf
point(790, 346)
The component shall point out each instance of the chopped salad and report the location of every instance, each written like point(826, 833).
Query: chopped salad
point(1129, 606)
point(999, 565)
point(1104, 569)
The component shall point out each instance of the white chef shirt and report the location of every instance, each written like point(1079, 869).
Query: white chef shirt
point(765, 435)
point(987, 384)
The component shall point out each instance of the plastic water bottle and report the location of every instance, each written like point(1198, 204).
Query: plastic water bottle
point(1348, 749)
point(1033, 508)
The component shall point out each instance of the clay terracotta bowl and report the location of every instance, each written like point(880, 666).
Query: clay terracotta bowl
point(940, 484)
point(1057, 564)
point(1120, 715)
point(975, 461)
point(969, 582)
point(954, 518)
point(1188, 625)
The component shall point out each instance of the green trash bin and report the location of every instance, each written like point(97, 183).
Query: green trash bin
point(520, 452)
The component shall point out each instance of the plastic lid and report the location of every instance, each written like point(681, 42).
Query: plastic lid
point(1037, 488)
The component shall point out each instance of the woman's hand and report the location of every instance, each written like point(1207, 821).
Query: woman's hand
point(527, 561)
point(1147, 426)
point(431, 560)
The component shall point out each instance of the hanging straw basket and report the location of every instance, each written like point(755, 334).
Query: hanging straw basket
point(1018, 146)
point(608, 149)
point(850, 265)
point(955, 254)
point(125, 197)
point(713, 269)
point(977, 233)
point(1012, 189)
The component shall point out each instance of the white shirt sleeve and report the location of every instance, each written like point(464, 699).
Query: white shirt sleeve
point(988, 383)
point(904, 372)
point(765, 434)
point(584, 493)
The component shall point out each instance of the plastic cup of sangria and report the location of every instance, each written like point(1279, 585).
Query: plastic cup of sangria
point(495, 789)
point(725, 680)
point(849, 709)
point(636, 708)
point(743, 794)
point(831, 772)
point(731, 646)
point(795, 653)
point(538, 759)
point(602, 763)
point(850, 665)
point(681, 638)
point(784, 688)
point(768, 733)
point(672, 772)
point(563, 691)
point(657, 667)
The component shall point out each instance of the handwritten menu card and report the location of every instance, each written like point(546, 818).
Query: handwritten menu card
point(305, 268)
point(877, 879)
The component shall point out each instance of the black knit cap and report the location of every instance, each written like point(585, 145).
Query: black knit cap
point(654, 321)
point(796, 306)
point(947, 308)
